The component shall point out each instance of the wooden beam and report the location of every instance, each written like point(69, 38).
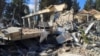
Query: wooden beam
point(29, 23)
point(23, 22)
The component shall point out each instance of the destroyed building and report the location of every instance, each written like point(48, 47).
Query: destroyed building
point(59, 36)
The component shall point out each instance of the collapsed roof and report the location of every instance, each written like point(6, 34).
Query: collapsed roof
point(51, 8)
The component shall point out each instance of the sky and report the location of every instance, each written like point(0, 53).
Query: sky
point(30, 3)
point(81, 3)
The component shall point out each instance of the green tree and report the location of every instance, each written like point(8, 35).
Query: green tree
point(16, 9)
point(46, 3)
point(68, 2)
point(2, 4)
point(76, 6)
point(8, 10)
point(89, 5)
point(97, 4)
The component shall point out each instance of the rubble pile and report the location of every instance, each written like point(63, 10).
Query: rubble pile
point(65, 36)
point(64, 42)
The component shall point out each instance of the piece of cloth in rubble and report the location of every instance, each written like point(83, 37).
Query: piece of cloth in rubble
point(60, 30)
point(43, 36)
point(63, 37)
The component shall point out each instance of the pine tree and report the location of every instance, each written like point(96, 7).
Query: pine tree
point(98, 4)
point(16, 9)
point(89, 5)
point(2, 5)
point(68, 2)
point(76, 6)
point(46, 3)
